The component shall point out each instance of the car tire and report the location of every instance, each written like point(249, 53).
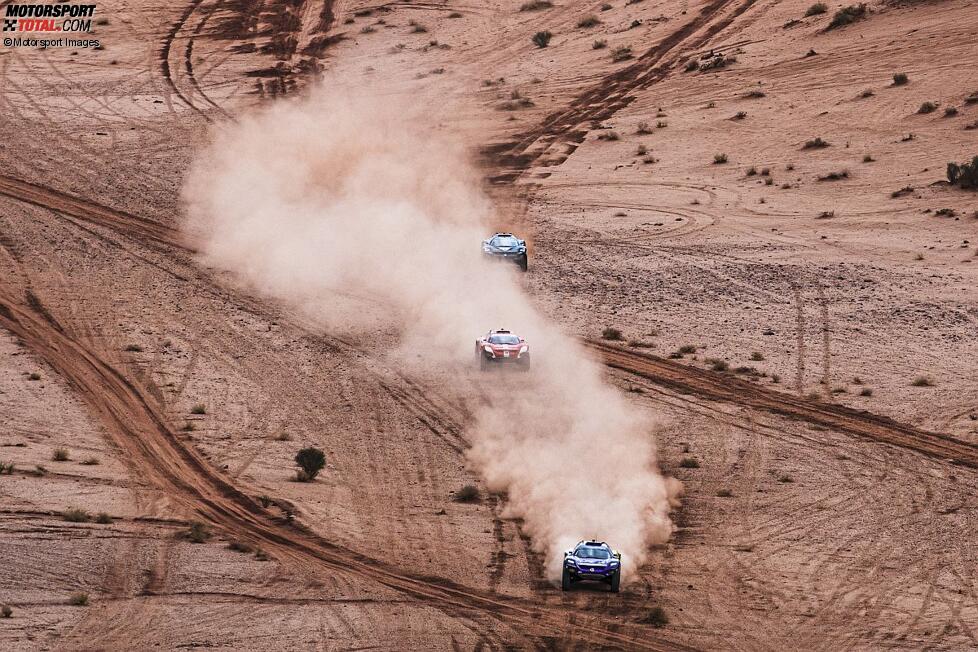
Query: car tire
point(565, 580)
point(525, 364)
point(616, 582)
point(523, 263)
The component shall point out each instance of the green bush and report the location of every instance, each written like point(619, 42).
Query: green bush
point(848, 15)
point(900, 79)
point(467, 494)
point(816, 9)
point(542, 39)
point(927, 107)
point(311, 461)
point(964, 175)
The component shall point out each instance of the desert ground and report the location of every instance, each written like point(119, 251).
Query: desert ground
point(799, 321)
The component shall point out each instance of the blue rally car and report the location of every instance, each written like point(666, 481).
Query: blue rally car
point(506, 246)
point(591, 561)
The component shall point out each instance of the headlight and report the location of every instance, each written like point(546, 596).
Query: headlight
point(488, 349)
point(570, 562)
point(524, 349)
point(613, 564)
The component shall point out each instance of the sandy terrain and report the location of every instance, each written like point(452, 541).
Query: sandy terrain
point(820, 516)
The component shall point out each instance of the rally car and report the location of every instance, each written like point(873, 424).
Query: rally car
point(502, 347)
point(591, 561)
point(506, 246)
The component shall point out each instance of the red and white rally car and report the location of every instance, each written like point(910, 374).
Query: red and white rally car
point(502, 347)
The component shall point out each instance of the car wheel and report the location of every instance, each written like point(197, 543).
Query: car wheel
point(615, 582)
point(565, 580)
point(523, 263)
point(525, 364)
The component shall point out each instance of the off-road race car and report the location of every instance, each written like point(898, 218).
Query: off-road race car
point(502, 347)
point(506, 246)
point(591, 561)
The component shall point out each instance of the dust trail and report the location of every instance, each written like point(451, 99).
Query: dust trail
point(342, 194)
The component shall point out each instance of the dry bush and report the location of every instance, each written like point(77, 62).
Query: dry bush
point(467, 494)
point(542, 39)
point(588, 21)
point(536, 5)
point(847, 16)
point(816, 9)
point(900, 79)
point(612, 334)
point(621, 53)
point(815, 143)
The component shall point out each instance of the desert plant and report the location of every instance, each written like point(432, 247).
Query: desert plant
point(611, 134)
point(740, 115)
point(34, 376)
point(719, 159)
point(824, 215)
point(945, 212)
point(866, 93)
point(724, 493)
point(900, 78)
point(756, 356)
point(868, 158)
point(542, 39)
point(689, 463)
point(775, 378)
point(199, 408)
point(964, 175)
point(717, 365)
point(717, 61)
point(90, 461)
point(600, 44)
point(656, 617)
point(467, 494)
point(613, 334)
point(816, 9)
point(416, 27)
point(197, 532)
point(927, 107)
point(79, 599)
point(906, 190)
point(751, 171)
point(621, 53)
point(643, 128)
point(950, 112)
point(588, 21)
point(240, 546)
point(75, 515)
point(907, 138)
point(866, 391)
point(103, 518)
point(6, 611)
point(641, 150)
point(847, 15)
point(692, 65)
point(536, 5)
point(635, 23)
point(134, 348)
point(922, 381)
point(455, 14)
point(815, 143)
point(265, 500)
point(785, 478)
point(310, 461)
point(6, 469)
point(918, 257)
point(60, 455)
point(835, 176)
point(639, 344)
point(754, 94)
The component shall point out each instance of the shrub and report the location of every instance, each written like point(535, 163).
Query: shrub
point(825, 215)
point(467, 494)
point(542, 39)
point(605, 7)
point(866, 391)
point(775, 378)
point(847, 15)
point(900, 79)
point(717, 364)
point(866, 93)
point(718, 61)
point(964, 174)
point(134, 348)
point(692, 65)
point(642, 150)
point(197, 532)
point(906, 190)
point(724, 493)
point(835, 176)
point(740, 115)
point(60, 455)
point(311, 461)
point(198, 409)
point(635, 23)
point(75, 515)
point(971, 99)
point(816, 9)
point(240, 546)
point(599, 44)
point(7, 469)
point(661, 124)
point(90, 461)
point(639, 344)
point(103, 518)
point(612, 334)
point(611, 134)
point(950, 111)
point(868, 158)
point(265, 500)
point(785, 478)
point(945, 212)
point(6, 611)
point(78, 599)
point(643, 128)
point(536, 5)
point(754, 94)
point(656, 617)
point(686, 349)
point(815, 143)
point(927, 107)
point(751, 171)
point(756, 356)
point(621, 53)
point(417, 28)
point(922, 381)
point(907, 138)
point(719, 159)
point(455, 14)
point(34, 376)
point(689, 463)
point(769, 181)
point(588, 21)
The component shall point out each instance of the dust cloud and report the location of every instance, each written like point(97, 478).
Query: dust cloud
point(313, 201)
